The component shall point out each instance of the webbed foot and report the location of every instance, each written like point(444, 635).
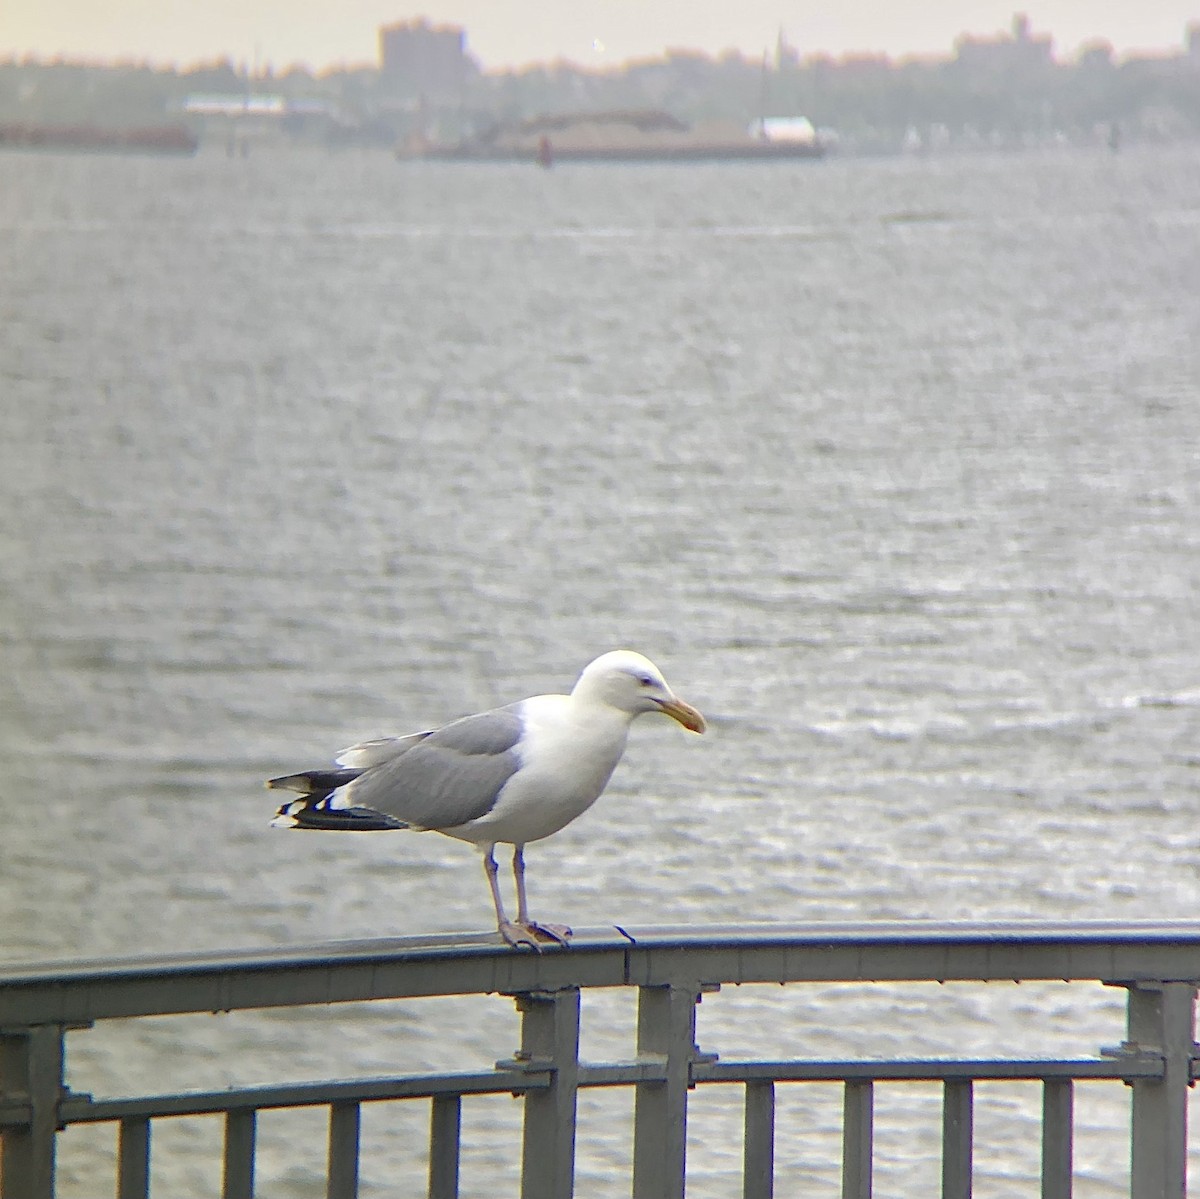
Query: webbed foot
point(531, 936)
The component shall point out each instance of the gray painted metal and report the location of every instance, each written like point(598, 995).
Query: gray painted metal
point(1058, 1117)
point(758, 1167)
point(133, 1158)
point(858, 1133)
point(84, 1109)
point(957, 1135)
point(1157, 964)
point(1161, 1024)
point(1124, 1067)
point(666, 1034)
point(241, 1133)
point(550, 1045)
point(31, 1071)
point(345, 1124)
point(341, 971)
point(445, 1140)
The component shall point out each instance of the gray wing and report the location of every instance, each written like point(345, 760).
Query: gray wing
point(367, 754)
point(446, 778)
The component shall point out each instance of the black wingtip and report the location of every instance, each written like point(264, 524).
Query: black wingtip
point(304, 815)
point(313, 782)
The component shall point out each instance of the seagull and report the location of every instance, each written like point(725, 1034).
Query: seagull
point(510, 775)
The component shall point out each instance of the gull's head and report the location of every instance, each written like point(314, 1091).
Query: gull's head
point(631, 683)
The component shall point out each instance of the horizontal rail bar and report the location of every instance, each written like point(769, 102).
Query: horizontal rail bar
point(82, 1109)
point(932, 1070)
point(304, 1094)
point(910, 951)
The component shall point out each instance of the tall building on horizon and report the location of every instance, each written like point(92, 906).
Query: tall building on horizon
point(420, 60)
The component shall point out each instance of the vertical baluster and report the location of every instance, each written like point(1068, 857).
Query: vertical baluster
point(1162, 1018)
point(666, 1035)
point(957, 1121)
point(445, 1135)
point(1058, 1131)
point(858, 1138)
point(241, 1131)
point(344, 1127)
point(31, 1064)
point(758, 1164)
point(133, 1158)
point(550, 1037)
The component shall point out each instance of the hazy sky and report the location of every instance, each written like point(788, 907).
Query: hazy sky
point(591, 32)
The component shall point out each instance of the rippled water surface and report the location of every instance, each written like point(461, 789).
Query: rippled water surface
point(893, 467)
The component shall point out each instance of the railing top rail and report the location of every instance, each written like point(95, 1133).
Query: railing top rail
point(389, 968)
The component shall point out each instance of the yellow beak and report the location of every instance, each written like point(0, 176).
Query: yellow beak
point(687, 716)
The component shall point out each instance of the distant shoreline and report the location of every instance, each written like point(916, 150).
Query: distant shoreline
point(150, 139)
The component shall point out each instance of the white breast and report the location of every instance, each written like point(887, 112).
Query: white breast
point(567, 757)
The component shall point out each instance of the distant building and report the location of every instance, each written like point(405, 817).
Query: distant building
point(419, 60)
point(787, 57)
point(1022, 52)
point(1096, 56)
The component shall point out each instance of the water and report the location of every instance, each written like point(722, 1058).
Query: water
point(892, 467)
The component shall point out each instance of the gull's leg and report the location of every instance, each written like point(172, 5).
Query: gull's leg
point(549, 932)
point(514, 934)
point(519, 875)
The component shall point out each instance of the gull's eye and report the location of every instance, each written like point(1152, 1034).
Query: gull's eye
point(645, 680)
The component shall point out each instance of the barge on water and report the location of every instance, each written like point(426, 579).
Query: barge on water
point(628, 136)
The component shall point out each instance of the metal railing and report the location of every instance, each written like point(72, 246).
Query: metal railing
point(1157, 964)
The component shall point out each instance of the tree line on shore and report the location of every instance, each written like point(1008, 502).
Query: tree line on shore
point(995, 97)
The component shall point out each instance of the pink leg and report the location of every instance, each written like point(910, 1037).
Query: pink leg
point(514, 934)
point(548, 932)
